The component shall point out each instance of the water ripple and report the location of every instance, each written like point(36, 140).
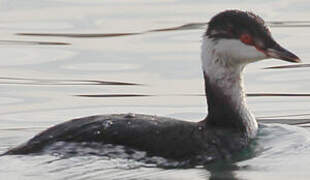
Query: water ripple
point(33, 81)
point(188, 26)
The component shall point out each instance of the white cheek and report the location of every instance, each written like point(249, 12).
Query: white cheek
point(235, 50)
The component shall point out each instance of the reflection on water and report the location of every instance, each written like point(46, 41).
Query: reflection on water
point(189, 26)
point(113, 95)
point(289, 66)
point(66, 59)
point(15, 42)
point(55, 82)
point(78, 35)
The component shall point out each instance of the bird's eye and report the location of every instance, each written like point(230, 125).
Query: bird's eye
point(246, 39)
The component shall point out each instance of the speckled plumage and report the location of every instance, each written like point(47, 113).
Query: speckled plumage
point(157, 135)
point(227, 129)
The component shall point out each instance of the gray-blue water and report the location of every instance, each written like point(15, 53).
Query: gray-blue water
point(62, 59)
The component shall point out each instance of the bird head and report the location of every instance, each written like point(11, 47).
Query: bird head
point(242, 37)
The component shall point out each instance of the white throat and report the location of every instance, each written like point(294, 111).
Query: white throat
point(224, 86)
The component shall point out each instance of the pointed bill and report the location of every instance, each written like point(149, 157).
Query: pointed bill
point(279, 52)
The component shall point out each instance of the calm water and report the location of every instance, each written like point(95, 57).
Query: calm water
point(64, 59)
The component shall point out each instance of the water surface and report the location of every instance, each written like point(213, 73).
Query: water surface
point(66, 59)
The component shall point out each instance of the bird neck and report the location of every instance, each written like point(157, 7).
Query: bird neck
point(224, 90)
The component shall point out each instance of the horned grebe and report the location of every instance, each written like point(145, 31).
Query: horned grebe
point(233, 39)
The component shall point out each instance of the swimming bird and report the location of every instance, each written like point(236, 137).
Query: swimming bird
point(233, 39)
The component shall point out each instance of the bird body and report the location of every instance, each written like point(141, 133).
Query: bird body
point(158, 136)
point(233, 39)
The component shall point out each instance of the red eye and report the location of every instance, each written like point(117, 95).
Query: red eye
point(246, 39)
